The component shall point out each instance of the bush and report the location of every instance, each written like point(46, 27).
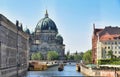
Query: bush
point(37, 56)
point(104, 61)
point(116, 63)
point(109, 61)
point(52, 55)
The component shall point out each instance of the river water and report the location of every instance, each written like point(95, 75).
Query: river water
point(69, 70)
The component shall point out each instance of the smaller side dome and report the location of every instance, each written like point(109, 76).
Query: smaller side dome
point(59, 39)
point(27, 31)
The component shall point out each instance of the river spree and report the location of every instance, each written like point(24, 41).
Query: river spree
point(69, 70)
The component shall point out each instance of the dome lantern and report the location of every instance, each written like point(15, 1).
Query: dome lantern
point(46, 14)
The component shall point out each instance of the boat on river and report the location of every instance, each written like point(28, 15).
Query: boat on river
point(61, 67)
point(77, 67)
point(36, 66)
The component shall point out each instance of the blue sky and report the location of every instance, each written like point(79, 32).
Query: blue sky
point(74, 18)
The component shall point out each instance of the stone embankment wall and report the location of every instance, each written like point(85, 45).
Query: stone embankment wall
point(92, 72)
point(87, 71)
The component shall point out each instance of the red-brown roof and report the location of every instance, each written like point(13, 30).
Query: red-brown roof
point(108, 33)
point(107, 36)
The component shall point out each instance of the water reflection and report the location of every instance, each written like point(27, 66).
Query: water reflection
point(69, 70)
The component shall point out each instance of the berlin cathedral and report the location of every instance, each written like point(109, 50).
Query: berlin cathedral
point(46, 38)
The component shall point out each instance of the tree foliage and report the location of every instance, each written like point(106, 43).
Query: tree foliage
point(87, 57)
point(70, 57)
point(52, 55)
point(68, 53)
point(37, 56)
point(76, 53)
point(76, 56)
point(110, 54)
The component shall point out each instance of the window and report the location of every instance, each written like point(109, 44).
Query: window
point(115, 52)
point(108, 47)
point(112, 43)
point(119, 42)
point(119, 47)
point(115, 47)
point(115, 42)
point(105, 47)
point(108, 42)
point(119, 52)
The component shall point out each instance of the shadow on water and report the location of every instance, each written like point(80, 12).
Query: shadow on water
point(69, 70)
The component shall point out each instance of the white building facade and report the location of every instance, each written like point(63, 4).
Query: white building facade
point(104, 46)
point(108, 40)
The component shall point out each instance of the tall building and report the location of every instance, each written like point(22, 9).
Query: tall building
point(13, 48)
point(105, 40)
point(46, 38)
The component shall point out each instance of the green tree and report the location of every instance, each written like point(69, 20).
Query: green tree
point(52, 55)
point(76, 53)
point(87, 57)
point(70, 57)
point(37, 56)
point(78, 56)
point(81, 54)
point(68, 53)
point(110, 54)
point(65, 57)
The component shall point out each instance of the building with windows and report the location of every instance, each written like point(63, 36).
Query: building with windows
point(105, 40)
point(14, 47)
point(46, 38)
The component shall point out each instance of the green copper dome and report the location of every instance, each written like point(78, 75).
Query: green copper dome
point(59, 39)
point(27, 31)
point(46, 24)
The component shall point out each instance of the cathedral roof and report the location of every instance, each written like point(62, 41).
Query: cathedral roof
point(46, 24)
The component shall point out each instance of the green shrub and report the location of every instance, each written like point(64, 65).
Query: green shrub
point(104, 61)
point(114, 61)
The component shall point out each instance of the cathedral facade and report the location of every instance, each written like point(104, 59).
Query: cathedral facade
point(46, 38)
